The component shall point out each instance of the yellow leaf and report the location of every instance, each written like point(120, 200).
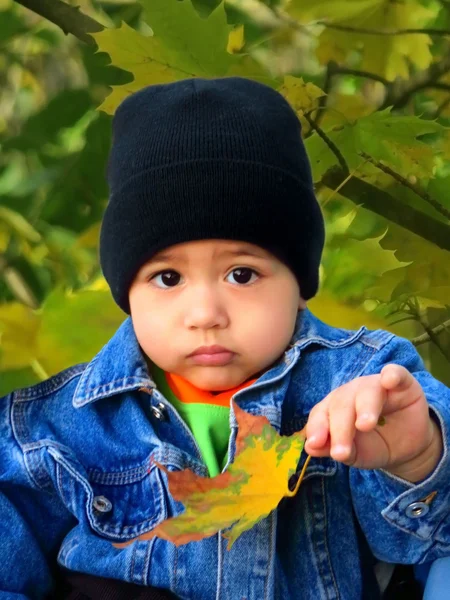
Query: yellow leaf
point(236, 40)
point(385, 55)
point(345, 107)
point(244, 494)
point(301, 96)
point(339, 314)
point(19, 327)
point(90, 237)
point(74, 327)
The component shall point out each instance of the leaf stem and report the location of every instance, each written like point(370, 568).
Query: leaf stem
point(300, 479)
point(368, 31)
point(39, 370)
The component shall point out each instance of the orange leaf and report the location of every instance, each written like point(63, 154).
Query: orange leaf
point(251, 487)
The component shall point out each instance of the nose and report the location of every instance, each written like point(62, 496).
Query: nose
point(205, 308)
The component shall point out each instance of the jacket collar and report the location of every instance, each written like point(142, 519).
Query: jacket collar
point(120, 365)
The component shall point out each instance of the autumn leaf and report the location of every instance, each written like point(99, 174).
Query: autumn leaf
point(303, 97)
point(389, 56)
point(244, 494)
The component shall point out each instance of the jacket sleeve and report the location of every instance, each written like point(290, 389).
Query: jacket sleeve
point(407, 522)
point(32, 522)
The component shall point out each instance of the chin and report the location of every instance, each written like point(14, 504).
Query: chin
point(214, 384)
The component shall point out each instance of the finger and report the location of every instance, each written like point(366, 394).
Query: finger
point(319, 452)
point(317, 429)
point(403, 387)
point(396, 376)
point(369, 403)
point(342, 416)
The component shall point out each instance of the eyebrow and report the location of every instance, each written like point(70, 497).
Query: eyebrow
point(171, 256)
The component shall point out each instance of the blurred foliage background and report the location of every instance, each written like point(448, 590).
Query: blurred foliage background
point(370, 81)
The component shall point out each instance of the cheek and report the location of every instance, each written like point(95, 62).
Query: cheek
point(269, 327)
point(149, 329)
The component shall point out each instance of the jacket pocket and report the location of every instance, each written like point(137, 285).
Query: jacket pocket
point(118, 505)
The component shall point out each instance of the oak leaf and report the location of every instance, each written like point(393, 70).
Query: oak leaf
point(251, 487)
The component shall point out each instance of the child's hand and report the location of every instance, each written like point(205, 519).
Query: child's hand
point(344, 425)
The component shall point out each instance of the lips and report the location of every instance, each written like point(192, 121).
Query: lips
point(212, 356)
point(209, 350)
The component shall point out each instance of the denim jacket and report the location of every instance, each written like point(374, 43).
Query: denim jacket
point(76, 475)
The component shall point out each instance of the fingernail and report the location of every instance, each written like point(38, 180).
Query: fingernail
point(340, 450)
point(366, 417)
point(312, 439)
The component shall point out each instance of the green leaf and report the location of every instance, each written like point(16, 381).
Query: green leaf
point(62, 111)
point(74, 327)
point(19, 224)
point(427, 276)
point(385, 137)
point(79, 193)
point(11, 25)
point(333, 10)
point(183, 45)
point(15, 379)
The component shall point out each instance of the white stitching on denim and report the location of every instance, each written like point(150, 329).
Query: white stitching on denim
point(44, 388)
point(327, 550)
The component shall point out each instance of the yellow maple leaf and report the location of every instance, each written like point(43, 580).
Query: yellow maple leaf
point(303, 97)
point(251, 487)
point(385, 55)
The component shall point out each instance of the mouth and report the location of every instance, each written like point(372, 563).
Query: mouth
point(213, 359)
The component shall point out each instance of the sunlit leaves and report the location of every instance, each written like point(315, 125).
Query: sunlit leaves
point(182, 45)
point(386, 55)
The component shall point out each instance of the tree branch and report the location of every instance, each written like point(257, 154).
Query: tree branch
point(348, 28)
point(387, 206)
point(415, 188)
point(425, 337)
point(332, 146)
point(323, 100)
point(68, 18)
point(335, 69)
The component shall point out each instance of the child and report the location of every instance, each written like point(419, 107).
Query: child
point(212, 240)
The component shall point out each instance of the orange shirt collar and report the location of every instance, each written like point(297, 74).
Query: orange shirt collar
point(187, 392)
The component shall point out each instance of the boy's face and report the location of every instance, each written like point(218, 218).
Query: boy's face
point(210, 292)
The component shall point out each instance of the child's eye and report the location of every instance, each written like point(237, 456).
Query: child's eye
point(168, 278)
point(242, 276)
point(171, 278)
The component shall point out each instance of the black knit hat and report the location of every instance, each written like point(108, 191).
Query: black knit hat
point(208, 158)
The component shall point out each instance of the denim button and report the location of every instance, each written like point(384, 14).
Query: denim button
point(417, 509)
point(102, 504)
point(159, 411)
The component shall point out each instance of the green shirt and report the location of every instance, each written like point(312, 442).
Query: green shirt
point(209, 423)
